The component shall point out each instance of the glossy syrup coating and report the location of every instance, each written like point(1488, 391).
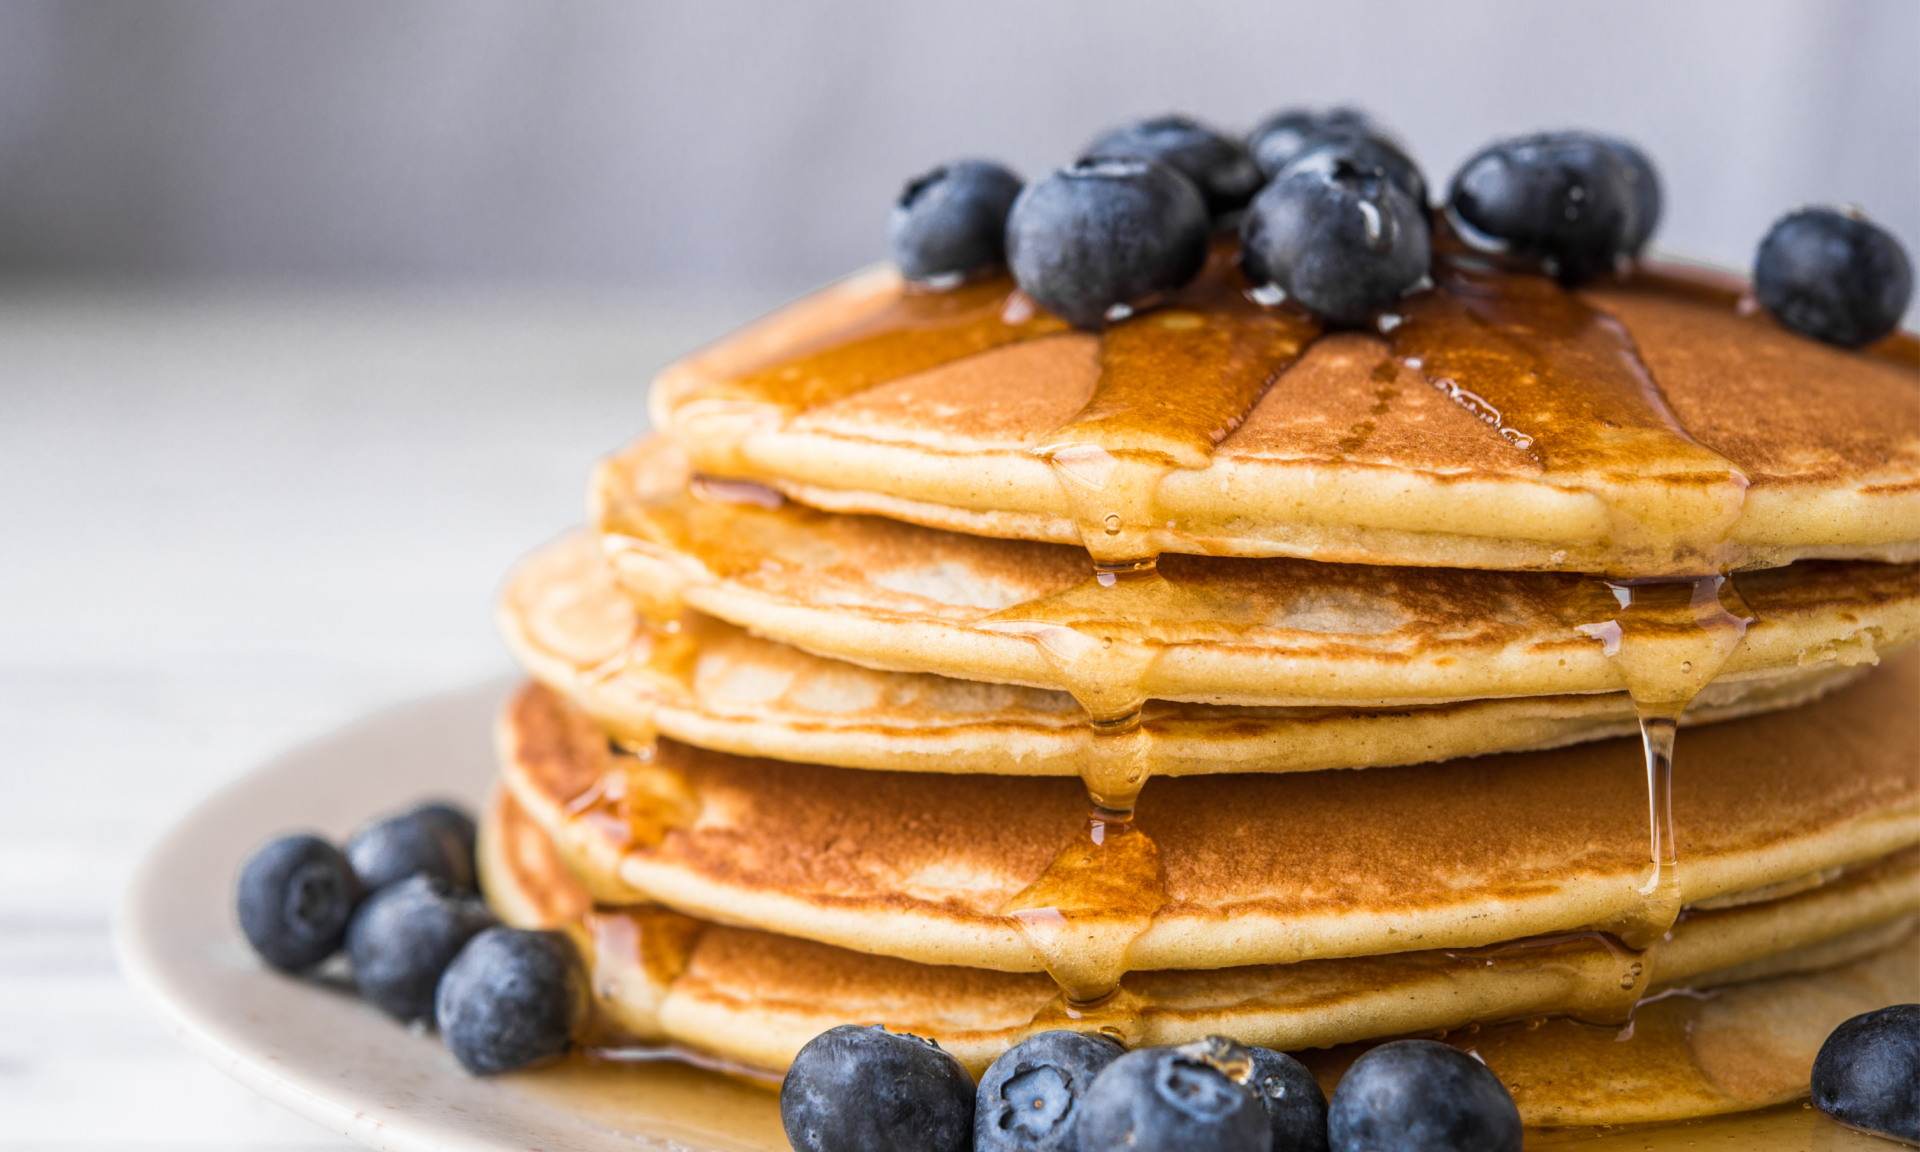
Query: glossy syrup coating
point(1563, 198)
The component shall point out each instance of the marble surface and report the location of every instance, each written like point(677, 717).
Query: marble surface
point(232, 522)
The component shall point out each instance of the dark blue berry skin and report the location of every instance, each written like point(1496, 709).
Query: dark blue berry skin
point(1283, 135)
point(1833, 277)
point(1868, 1072)
point(403, 937)
point(1644, 182)
point(1029, 1099)
point(1563, 199)
point(1105, 233)
point(295, 897)
point(1217, 164)
point(864, 1089)
point(1159, 1100)
point(1421, 1096)
point(510, 999)
point(1296, 1107)
point(1361, 152)
point(951, 222)
point(433, 838)
point(1341, 242)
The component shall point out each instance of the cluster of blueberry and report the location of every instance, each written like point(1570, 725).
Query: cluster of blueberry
point(403, 900)
point(859, 1089)
point(1333, 215)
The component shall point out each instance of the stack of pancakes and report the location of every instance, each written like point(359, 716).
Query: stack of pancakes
point(942, 667)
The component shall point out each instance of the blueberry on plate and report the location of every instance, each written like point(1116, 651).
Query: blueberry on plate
point(1028, 1100)
point(433, 838)
point(1833, 276)
point(1643, 180)
point(1562, 198)
point(295, 897)
point(1096, 240)
point(1282, 135)
point(1217, 164)
point(1340, 240)
point(1362, 152)
point(864, 1089)
point(1868, 1072)
point(511, 998)
point(1296, 1107)
point(952, 221)
point(1165, 1100)
point(403, 937)
point(1421, 1096)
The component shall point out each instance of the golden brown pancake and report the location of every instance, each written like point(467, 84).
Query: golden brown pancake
point(1368, 449)
point(715, 685)
point(756, 997)
point(1202, 629)
point(1260, 869)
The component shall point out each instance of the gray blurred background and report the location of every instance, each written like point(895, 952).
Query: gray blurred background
point(750, 149)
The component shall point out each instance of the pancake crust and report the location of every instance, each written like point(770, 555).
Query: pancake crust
point(1202, 629)
point(1265, 869)
point(715, 685)
point(756, 997)
point(1351, 455)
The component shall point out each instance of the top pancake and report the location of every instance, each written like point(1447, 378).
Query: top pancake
point(1640, 427)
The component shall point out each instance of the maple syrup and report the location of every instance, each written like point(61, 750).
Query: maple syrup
point(1552, 375)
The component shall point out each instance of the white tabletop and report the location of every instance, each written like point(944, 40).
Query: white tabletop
point(229, 522)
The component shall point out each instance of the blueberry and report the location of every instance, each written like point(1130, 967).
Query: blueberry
point(511, 998)
point(864, 1089)
point(952, 221)
point(1284, 134)
point(1868, 1072)
point(1217, 164)
point(403, 937)
point(1106, 234)
point(1833, 276)
point(1296, 1107)
point(1421, 1096)
point(295, 897)
point(1644, 182)
point(1340, 240)
point(1027, 1100)
point(1361, 152)
point(433, 838)
point(1164, 1100)
point(1563, 198)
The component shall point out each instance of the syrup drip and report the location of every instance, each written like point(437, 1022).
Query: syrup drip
point(1174, 382)
point(1562, 382)
point(1604, 978)
point(1670, 638)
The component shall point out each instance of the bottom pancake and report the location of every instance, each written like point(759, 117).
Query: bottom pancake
point(1802, 964)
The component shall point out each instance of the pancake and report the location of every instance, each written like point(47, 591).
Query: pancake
point(1641, 427)
point(756, 998)
point(1201, 629)
point(1265, 869)
point(712, 684)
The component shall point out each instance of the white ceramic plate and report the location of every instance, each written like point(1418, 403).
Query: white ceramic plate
point(315, 1048)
